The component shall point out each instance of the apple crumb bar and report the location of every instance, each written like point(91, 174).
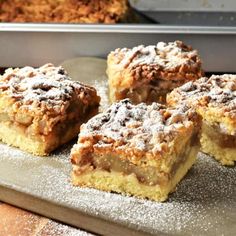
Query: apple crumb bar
point(147, 74)
point(214, 99)
point(141, 150)
point(42, 108)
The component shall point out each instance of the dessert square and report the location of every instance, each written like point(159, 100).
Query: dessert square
point(147, 74)
point(65, 11)
point(42, 108)
point(140, 150)
point(214, 99)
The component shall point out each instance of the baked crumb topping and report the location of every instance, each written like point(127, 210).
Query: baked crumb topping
point(38, 99)
point(64, 11)
point(171, 57)
point(149, 128)
point(44, 88)
point(217, 91)
point(213, 98)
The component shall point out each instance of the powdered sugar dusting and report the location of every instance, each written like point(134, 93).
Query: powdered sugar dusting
point(218, 91)
point(150, 128)
point(204, 202)
point(166, 55)
point(54, 228)
point(214, 98)
point(46, 86)
point(101, 86)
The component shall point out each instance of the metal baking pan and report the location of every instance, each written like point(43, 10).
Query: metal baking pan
point(191, 12)
point(184, 5)
point(36, 44)
point(204, 203)
point(193, 18)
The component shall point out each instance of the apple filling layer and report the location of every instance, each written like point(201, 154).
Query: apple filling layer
point(147, 175)
point(218, 144)
point(156, 91)
point(222, 139)
point(38, 135)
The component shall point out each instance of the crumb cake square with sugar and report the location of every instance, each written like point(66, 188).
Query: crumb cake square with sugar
point(214, 99)
point(147, 74)
point(42, 108)
point(66, 11)
point(141, 150)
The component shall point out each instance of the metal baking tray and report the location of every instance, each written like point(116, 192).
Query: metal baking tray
point(191, 12)
point(36, 44)
point(184, 5)
point(203, 204)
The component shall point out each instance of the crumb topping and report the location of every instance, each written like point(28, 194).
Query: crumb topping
point(216, 91)
point(163, 55)
point(143, 127)
point(64, 11)
point(213, 98)
point(46, 88)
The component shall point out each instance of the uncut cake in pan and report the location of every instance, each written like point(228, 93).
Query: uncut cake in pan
point(65, 11)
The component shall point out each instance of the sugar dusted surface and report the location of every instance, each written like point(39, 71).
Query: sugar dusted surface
point(53, 228)
point(45, 87)
point(102, 89)
point(166, 55)
point(150, 128)
point(217, 91)
point(204, 202)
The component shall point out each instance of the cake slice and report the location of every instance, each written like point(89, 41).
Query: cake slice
point(42, 108)
point(141, 150)
point(147, 74)
point(214, 99)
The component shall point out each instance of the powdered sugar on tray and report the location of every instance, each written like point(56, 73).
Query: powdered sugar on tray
point(54, 228)
point(205, 201)
point(102, 89)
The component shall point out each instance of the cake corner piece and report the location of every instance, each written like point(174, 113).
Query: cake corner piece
point(139, 150)
point(42, 108)
point(214, 99)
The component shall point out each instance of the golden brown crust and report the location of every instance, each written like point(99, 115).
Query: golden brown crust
point(141, 134)
point(64, 11)
point(214, 99)
point(218, 144)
